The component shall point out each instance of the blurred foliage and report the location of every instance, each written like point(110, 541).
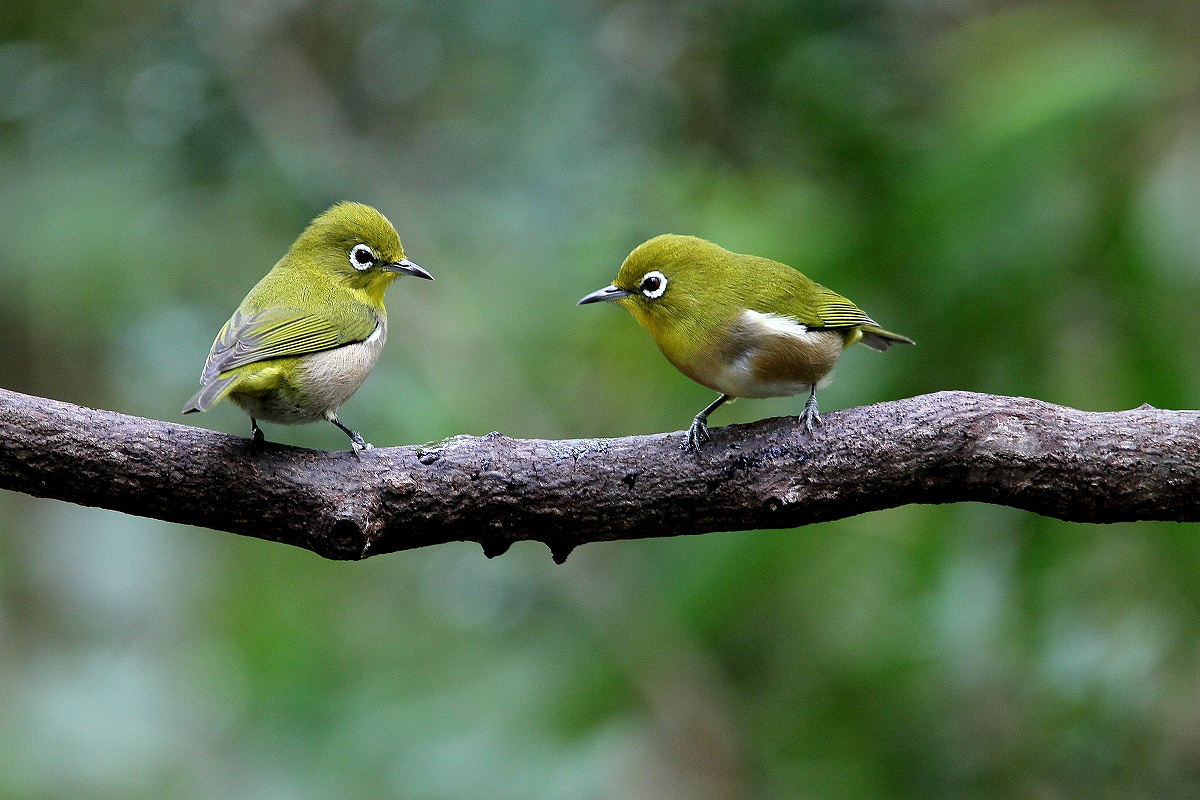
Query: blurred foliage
point(1014, 185)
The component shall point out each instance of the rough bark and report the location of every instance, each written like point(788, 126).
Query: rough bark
point(940, 448)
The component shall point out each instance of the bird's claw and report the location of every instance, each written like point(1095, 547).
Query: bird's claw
point(359, 444)
point(809, 416)
point(697, 436)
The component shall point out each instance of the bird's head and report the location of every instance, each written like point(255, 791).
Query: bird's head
point(357, 245)
point(673, 282)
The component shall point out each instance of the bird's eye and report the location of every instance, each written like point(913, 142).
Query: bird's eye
point(654, 283)
point(362, 257)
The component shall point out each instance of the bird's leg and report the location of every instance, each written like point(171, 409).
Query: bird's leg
point(256, 431)
point(698, 433)
point(809, 416)
point(357, 442)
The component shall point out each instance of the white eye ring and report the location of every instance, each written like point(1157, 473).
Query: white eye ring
point(653, 284)
point(362, 257)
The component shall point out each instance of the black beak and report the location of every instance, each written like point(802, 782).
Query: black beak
point(406, 267)
point(609, 292)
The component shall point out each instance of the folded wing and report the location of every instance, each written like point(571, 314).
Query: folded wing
point(279, 333)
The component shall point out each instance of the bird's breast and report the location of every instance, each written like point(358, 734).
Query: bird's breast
point(330, 377)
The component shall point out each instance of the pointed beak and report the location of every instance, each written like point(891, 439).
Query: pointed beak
point(609, 292)
point(406, 267)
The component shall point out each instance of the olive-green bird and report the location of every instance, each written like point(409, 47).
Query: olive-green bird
point(741, 325)
point(309, 333)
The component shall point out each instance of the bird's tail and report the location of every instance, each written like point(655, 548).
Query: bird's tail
point(210, 395)
point(877, 338)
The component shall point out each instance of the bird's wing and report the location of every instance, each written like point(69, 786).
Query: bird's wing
point(836, 311)
point(818, 307)
point(279, 333)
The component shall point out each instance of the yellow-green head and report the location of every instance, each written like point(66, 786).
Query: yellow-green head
point(355, 245)
point(681, 287)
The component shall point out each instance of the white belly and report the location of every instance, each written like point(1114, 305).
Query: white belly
point(777, 356)
point(330, 377)
point(739, 380)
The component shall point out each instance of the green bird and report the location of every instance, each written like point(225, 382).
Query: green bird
point(306, 337)
point(741, 325)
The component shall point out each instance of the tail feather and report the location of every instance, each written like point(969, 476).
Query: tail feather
point(211, 394)
point(877, 338)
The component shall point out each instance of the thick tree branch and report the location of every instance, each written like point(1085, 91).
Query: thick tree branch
point(938, 448)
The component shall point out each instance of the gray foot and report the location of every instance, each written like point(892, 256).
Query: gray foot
point(809, 416)
point(697, 435)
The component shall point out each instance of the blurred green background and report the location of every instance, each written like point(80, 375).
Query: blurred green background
point(1013, 185)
